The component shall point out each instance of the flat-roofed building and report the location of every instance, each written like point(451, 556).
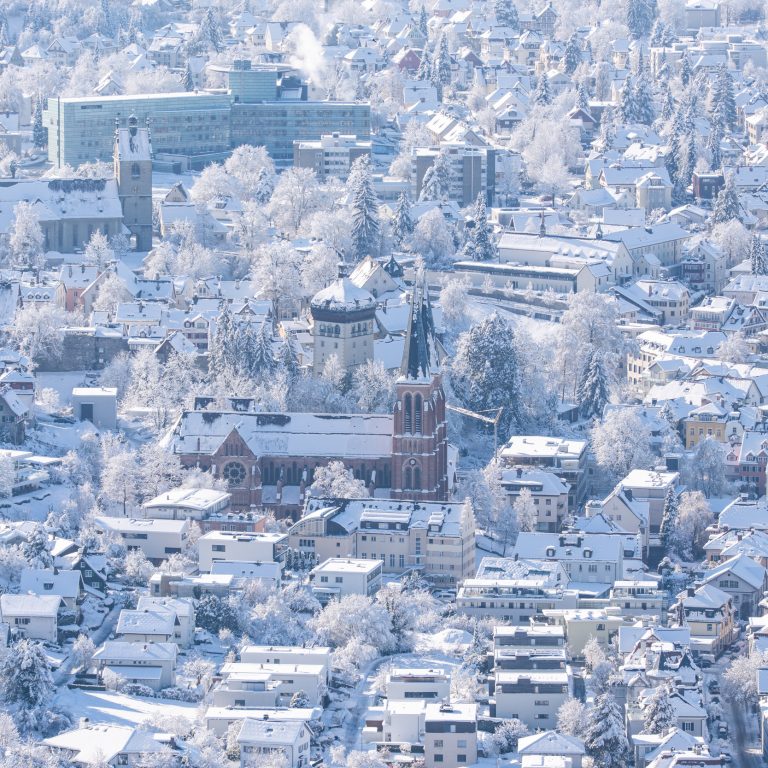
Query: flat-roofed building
point(338, 576)
point(183, 503)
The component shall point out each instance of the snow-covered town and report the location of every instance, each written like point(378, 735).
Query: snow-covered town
point(383, 383)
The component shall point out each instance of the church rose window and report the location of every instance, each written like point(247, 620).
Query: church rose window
point(234, 473)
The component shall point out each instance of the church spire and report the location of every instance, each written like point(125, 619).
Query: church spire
point(420, 357)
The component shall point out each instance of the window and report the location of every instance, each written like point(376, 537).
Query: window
point(438, 743)
point(234, 473)
point(407, 416)
point(688, 727)
point(417, 414)
point(461, 758)
point(461, 743)
point(219, 548)
point(438, 758)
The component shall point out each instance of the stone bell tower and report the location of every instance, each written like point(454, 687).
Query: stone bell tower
point(133, 172)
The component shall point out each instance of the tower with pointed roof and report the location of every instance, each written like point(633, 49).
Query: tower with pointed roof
point(133, 171)
point(420, 437)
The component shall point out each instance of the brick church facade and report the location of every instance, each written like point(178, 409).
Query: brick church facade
point(269, 459)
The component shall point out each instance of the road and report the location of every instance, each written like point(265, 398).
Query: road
point(744, 739)
point(61, 675)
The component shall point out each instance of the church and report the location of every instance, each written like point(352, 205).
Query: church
point(269, 459)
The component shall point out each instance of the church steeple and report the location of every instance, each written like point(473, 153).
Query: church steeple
point(420, 444)
point(420, 355)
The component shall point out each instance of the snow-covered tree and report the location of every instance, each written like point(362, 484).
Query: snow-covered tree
point(740, 678)
point(424, 72)
point(26, 684)
point(402, 223)
point(479, 245)
point(436, 184)
point(622, 442)
point(296, 196)
point(707, 466)
point(735, 348)
point(526, 513)
point(38, 331)
point(365, 208)
point(542, 94)
point(727, 203)
point(669, 520)
point(423, 22)
point(335, 481)
point(506, 14)
point(592, 393)
point(693, 518)
point(441, 66)
point(26, 240)
point(119, 486)
point(658, 713)
point(571, 55)
point(757, 260)
point(507, 734)
point(484, 372)
point(82, 651)
point(254, 171)
point(35, 548)
point(433, 238)
point(640, 17)
point(187, 79)
point(572, 718)
point(373, 387)
point(643, 98)
point(39, 131)
point(722, 103)
point(605, 738)
point(98, 250)
point(275, 267)
point(209, 32)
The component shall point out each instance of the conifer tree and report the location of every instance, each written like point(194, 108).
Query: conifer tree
point(222, 356)
point(365, 208)
point(39, 132)
point(723, 103)
point(640, 16)
point(667, 105)
point(758, 265)
point(713, 145)
point(643, 100)
point(542, 94)
point(506, 14)
point(659, 714)
point(485, 371)
point(605, 738)
point(727, 203)
point(423, 25)
point(26, 684)
point(479, 246)
point(3, 33)
point(571, 55)
point(209, 32)
point(685, 71)
point(582, 96)
point(424, 72)
point(261, 361)
point(402, 224)
point(187, 80)
point(107, 20)
point(592, 393)
point(436, 184)
point(441, 66)
point(627, 106)
point(668, 520)
point(287, 358)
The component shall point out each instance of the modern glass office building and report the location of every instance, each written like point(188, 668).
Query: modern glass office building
point(262, 106)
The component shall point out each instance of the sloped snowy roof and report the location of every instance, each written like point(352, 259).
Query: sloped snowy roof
point(343, 295)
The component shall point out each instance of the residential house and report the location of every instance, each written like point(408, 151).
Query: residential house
point(708, 612)
point(157, 539)
point(258, 738)
point(336, 577)
point(150, 664)
point(33, 616)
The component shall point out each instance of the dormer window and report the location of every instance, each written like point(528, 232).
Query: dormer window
point(550, 551)
point(587, 553)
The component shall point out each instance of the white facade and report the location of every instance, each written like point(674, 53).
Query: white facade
point(338, 577)
point(157, 539)
point(219, 546)
point(97, 405)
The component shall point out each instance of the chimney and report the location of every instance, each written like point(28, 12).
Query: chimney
point(691, 591)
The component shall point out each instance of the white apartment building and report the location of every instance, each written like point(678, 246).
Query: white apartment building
point(157, 539)
point(406, 683)
point(531, 696)
point(258, 738)
point(307, 678)
point(217, 546)
point(338, 576)
point(183, 503)
point(248, 689)
point(450, 735)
